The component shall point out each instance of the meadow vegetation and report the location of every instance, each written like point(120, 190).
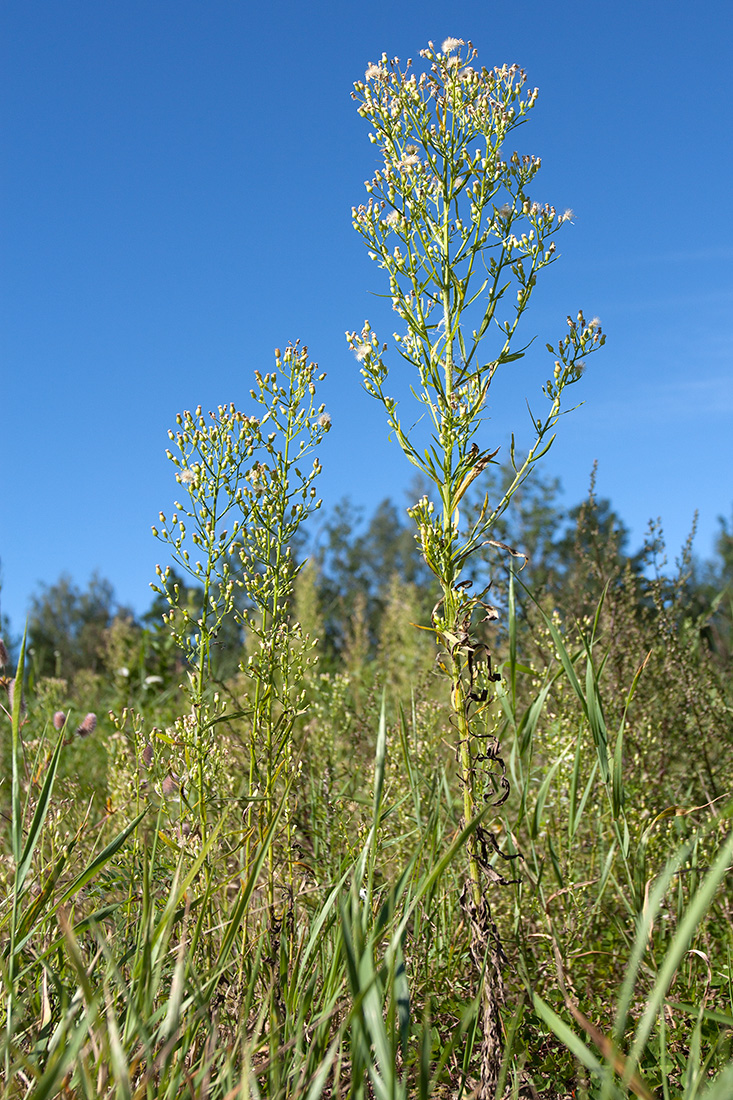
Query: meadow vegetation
point(438, 805)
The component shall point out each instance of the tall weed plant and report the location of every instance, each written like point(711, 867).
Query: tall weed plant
point(287, 883)
point(462, 242)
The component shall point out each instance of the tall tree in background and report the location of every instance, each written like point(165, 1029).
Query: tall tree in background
point(711, 593)
point(67, 625)
point(356, 563)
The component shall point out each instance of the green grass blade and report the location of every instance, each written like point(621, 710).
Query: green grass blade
point(242, 902)
point(567, 1036)
point(99, 861)
point(512, 611)
point(536, 822)
point(328, 905)
point(16, 831)
point(595, 717)
point(319, 1081)
point(39, 816)
point(565, 658)
point(63, 1059)
point(721, 1088)
point(694, 913)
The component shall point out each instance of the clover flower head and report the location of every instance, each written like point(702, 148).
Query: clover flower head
point(87, 726)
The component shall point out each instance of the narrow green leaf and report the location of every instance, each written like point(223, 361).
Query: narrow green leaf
point(99, 861)
point(17, 810)
point(567, 1036)
point(240, 906)
point(696, 910)
point(539, 809)
point(117, 1054)
point(573, 800)
point(39, 816)
point(722, 1087)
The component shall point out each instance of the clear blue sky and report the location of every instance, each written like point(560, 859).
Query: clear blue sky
point(177, 180)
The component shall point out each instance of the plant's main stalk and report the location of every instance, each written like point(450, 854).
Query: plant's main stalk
point(462, 243)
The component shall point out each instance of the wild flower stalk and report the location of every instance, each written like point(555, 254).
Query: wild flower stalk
point(278, 495)
point(213, 455)
point(246, 497)
point(462, 243)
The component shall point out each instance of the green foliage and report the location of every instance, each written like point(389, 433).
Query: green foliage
point(67, 626)
point(146, 955)
point(250, 879)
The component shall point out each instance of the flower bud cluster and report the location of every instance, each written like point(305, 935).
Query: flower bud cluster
point(248, 486)
point(583, 338)
point(452, 208)
point(452, 223)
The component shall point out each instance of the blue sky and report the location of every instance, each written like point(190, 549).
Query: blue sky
point(177, 181)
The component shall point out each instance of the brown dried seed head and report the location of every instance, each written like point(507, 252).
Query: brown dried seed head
point(148, 755)
point(88, 725)
point(170, 785)
point(59, 719)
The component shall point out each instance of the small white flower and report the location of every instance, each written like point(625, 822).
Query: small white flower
point(375, 72)
point(324, 421)
point(361, 352)
point(452, 44)
point(188, 477)
point(408, 162)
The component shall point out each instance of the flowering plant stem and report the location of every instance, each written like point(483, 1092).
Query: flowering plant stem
point(246, 499)
point(452, 224)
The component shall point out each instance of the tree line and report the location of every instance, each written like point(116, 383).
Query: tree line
point(565, 557)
